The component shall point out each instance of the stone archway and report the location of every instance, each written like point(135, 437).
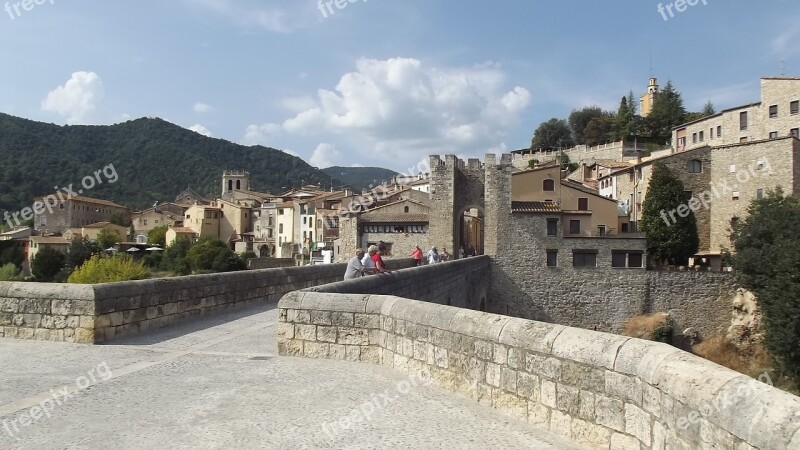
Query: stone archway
point(264, 251)
point(470, 230)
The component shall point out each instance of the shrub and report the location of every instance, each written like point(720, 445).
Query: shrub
point(248, 255)
point(9, 272)
point(214, 255)
point(107, 270)
point(174, 259)
point(655, 327)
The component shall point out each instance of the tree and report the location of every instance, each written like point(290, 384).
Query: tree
point(599, 130)
point(552, 134)
point(214, 255)
point(708, 109)
point(11, 252)
point(766, 260)
point(566, 164)
point(79, 250)
point(667, 113)
point(107, 239)
point(174, 259)
point(46, 264)
point(579, 119)
point(9, 272)
point(670, 224)
point(158, 236)
point(624, 121)
point(119, 219)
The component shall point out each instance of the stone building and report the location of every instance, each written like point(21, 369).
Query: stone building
point(776, 115)
point(164, 214)
point(76, 212)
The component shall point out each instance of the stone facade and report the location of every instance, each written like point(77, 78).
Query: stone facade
point(47, 312)
point(770, 118)
point(601, 391)
point(77, 211)
point(456, 187)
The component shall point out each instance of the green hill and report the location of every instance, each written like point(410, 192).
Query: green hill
point(154, 160)
point(360, 177)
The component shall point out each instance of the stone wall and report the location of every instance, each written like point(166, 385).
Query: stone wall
point(47, 312)
point(269, 263)
point(599, 390)
point(99, 313)
point(462, 283)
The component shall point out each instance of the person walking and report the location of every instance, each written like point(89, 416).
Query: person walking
point(355, 268)
point(433, 255)
point(417, 255)
point(444, 256)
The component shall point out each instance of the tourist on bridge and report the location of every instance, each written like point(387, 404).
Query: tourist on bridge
point(417, 255)
point(380, 266)
point(354, 267)
point(368, 262)
point(433, 255)
point(444, 256)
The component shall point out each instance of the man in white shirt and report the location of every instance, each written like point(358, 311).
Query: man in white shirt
point(368, 262)
point(354, 268)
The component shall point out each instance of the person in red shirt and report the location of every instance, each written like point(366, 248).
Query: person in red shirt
point(380, 266)
point(417, 255)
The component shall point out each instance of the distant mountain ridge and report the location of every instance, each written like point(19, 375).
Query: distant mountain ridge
point(155, 160)
point(360, 177)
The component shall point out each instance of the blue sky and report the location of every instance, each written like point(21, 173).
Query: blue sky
point(379, 82)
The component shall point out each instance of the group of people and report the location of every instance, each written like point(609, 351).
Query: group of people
point(367, 262)
point(433, 255)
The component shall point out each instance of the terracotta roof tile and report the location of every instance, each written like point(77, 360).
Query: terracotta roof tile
point(535, 207)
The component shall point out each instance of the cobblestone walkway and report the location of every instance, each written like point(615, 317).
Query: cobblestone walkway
point(218, 383)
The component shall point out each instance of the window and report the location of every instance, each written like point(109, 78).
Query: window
point(584, 258)
point(624, 227)
point(719, 130)
point(552, 258)
point(733, 168)
point(773, 135)
point(694, 166)
point(156, 220)
point(145, 221)
point(711, 133)
point(773, 111)
point(734, 222)
point(574, 227)
point(280, 228)
point(742, 140)
point(694, 138)
point(795, 132)
point(601, 230)
point(759, 194)
point(405, 209)
point(548, 185)
point(743, 120)
point(735, 195)
point(701, 136)
point(280, 212)
point(794, 107)
point(627, 259)
point(682, 142)
point(552, 227)
point(583, 204)
point(687, 195)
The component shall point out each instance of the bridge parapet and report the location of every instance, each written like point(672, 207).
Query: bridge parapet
point(598, 389)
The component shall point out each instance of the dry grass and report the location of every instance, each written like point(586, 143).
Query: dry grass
point(645, 327)
point(752, 362)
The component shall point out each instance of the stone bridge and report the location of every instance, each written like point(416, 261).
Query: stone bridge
point(209, 362)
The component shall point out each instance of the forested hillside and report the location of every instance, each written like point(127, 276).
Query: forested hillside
point(154, 160)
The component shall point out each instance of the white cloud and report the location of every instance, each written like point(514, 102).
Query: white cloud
point(76, 98)
point(401, 108)
point(261, 134)
point(197, 128)
point(202, 108)
point(325, 155)
point(298, 104)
